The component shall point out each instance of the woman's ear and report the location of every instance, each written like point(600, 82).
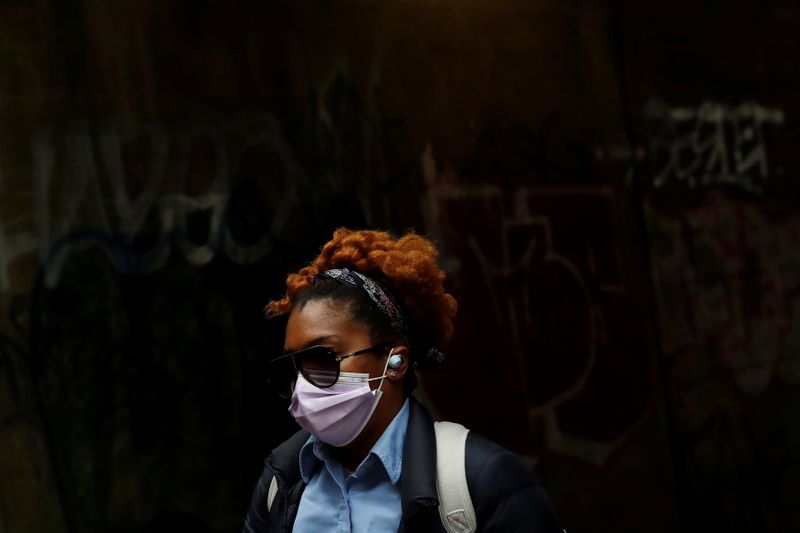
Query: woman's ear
point(398, 363)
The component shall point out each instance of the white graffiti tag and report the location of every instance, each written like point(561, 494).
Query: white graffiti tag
point(710, 144)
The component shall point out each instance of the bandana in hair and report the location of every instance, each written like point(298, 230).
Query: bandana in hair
point(388, 305)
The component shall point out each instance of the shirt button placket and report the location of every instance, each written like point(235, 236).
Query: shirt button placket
point(344, 515)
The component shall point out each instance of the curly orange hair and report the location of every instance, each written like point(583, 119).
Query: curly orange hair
point(406, 265)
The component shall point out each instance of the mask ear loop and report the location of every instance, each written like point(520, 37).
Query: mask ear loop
point(384, 371)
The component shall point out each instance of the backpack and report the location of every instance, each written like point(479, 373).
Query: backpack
point(455, 504)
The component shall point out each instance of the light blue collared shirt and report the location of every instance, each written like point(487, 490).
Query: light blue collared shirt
point(368, 500)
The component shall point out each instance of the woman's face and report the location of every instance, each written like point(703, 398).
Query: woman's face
point(329, 323)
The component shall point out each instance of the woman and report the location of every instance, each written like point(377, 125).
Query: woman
point(366, 313)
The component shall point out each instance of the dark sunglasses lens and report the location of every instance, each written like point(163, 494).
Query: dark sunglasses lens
point(318, 366)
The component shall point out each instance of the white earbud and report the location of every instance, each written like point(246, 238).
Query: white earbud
point(395, 361)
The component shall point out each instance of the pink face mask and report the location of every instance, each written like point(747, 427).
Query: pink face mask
point(336, 415)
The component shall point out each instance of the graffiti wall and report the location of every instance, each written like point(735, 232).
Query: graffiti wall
point(721, 208)
point(611, 186)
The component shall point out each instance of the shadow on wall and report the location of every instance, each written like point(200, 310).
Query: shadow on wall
point(171, 523)
point(138, 356)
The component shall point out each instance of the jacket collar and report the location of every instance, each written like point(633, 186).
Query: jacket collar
point(418, 481)
point(283, 461)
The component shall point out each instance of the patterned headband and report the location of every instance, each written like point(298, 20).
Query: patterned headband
point(389, 306)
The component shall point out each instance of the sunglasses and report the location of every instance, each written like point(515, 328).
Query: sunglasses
point(320, 365)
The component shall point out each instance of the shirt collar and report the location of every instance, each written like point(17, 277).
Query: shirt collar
point(308, 459)
point(388, 450)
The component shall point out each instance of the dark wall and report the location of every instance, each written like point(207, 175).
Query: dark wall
point(611, 185)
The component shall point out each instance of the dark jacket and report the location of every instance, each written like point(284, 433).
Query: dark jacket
point(506, 495)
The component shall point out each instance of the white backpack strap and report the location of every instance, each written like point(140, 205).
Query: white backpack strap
point(273, 490)
point(455, 504)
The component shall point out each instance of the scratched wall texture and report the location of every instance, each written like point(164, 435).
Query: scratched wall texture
point(721, 203)
point(612, 186)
